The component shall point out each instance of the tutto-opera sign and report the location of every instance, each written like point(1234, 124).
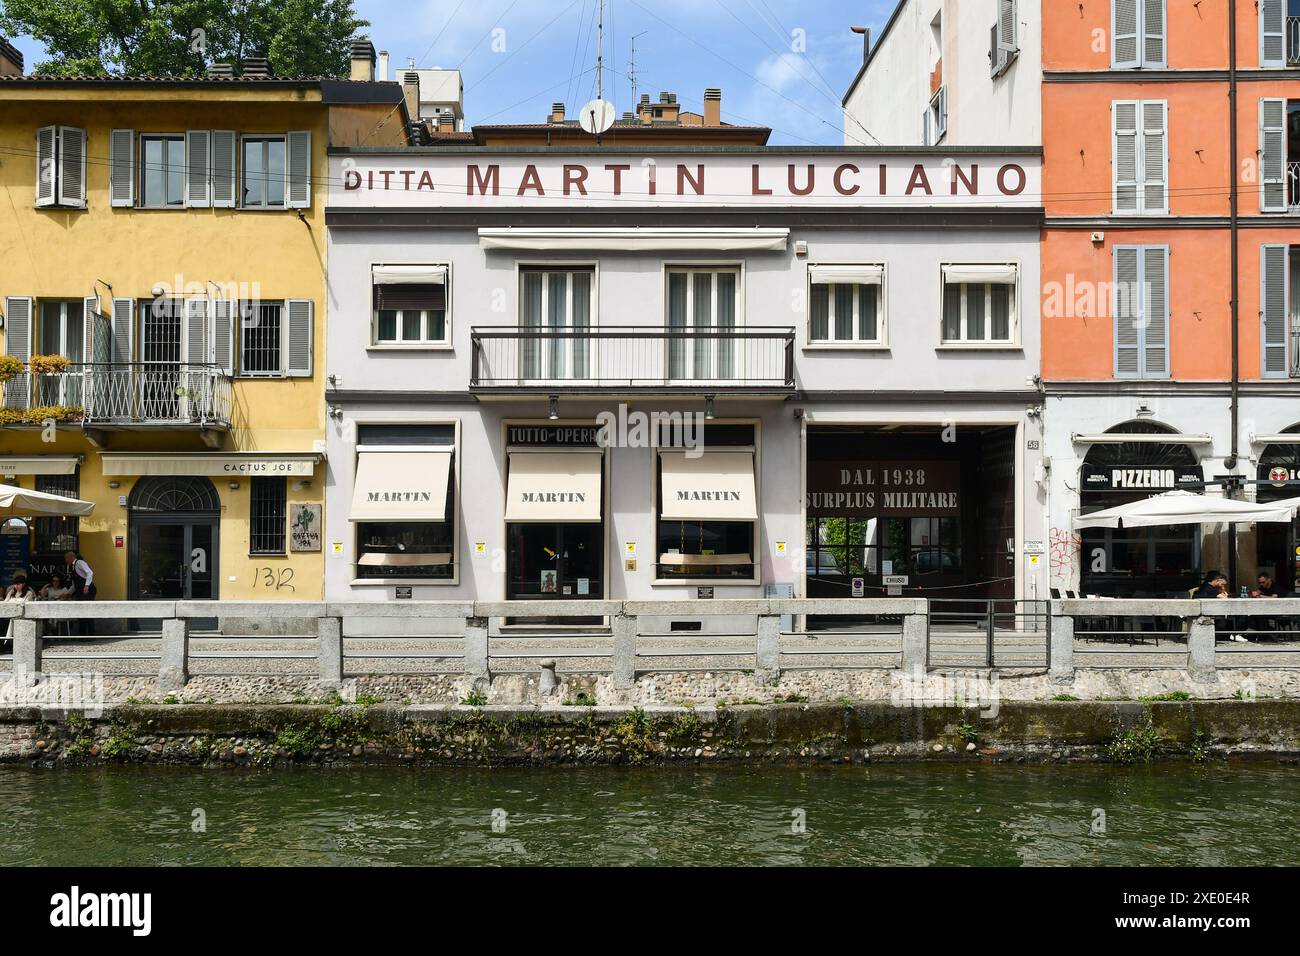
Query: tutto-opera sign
point(848, 179)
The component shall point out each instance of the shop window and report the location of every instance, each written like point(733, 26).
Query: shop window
point(405, 549)
point(844, 305)
point(838, 549)
point(268, 509)
point(57, 534)
point(979, 305)
point(410, 305)
point(921, 546)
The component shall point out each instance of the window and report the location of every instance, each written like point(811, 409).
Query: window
point(1137, 33)
point(845, 304)
point(261, 338)
point(1279, 33)
point(61, 166)
point(1141, 310)
point(264, 172)
point(1003, 47)
point(921, 546)
point(556, 306)
point(842, 548)
point(62, 331)
point(162, 171)
point(268, 509)
point(1141, 161)
point(1279, 311)
point(936, 118)
point(54, 535)
point(979, 304)
point(410, 305)
point(701, 303)
point(1279, 153)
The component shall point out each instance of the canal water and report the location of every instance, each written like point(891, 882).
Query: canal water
point(1212, 815)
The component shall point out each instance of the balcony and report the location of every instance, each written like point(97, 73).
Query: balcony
point(667, 361)
point(139, 395)
point(1293, 41)
point(1293, 187)
point(1295, 351)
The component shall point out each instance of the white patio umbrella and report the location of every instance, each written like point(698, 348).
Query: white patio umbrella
point(22, 503)
point(1185, 507)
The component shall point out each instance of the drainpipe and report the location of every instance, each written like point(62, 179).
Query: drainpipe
point(1235, 401)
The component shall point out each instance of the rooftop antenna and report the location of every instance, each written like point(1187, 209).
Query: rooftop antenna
point(631, 67)
point(598, 115)
point(600, 52)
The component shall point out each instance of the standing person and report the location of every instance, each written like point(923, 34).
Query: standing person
point(83, 583)
point(17, 592)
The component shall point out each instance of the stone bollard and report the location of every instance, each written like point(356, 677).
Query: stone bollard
point(548, 683)
point(1062, 649)
point(1201, 665)
point(329, 652)
point(476, 650)
point(768, 649)
point(624, 651)
point(916, 642)
point(28, 645)
point(174, 666)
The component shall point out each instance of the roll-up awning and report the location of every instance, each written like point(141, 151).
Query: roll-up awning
point(849, 275)
point(632, 239)
point(39, 464)
point(716, 486)
point(401, 486)
point(554, 486)
point(409, 275)
point(1003, 274)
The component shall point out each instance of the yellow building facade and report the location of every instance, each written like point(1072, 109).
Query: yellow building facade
point(162, 281)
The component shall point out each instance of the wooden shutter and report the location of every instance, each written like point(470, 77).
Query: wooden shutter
point(196, 351)
point(1154, 324)
point(1273, 310)
point(123, 330)
point(1153, 32)
point(298, 337)
point(297, 167)
point(47, 139)
point(197, 166)
point(1155, 156)
point(18, 343)
point(71, 176)
point(1124, 120)
point(1124, 33)
point(95, 338)
point(121, 167)
point(1272, 32)
point(223, 333)
point(1128, 310)
point(225, 146)
point(1007, 27)
point(1272, 155)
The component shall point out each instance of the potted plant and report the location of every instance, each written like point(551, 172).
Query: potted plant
point(9, 367)
point(48, 364)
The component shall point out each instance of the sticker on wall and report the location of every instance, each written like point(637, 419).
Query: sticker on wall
point(630, 549)
point(304, 527)
point(629, 566)
point(337, 547)
point(121, 500)
point(480, 549)
point(119, 541)
point(781, 548)
point(1035, 560)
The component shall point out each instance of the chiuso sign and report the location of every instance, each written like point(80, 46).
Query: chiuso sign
point(848, 179)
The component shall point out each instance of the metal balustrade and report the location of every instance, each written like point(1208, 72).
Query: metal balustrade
point(1293, 41)
point(678, 359)
point(1293, 186)
point(139, 393)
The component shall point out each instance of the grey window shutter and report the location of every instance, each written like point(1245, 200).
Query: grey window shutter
point(197, 164)
point(123, 330)
point(1124, 119)
point(121, 167)
point(1007, 27)
point(196, 331)
point(224, 148)
point(297, 165)
point(1155, 156)
point(995, 54)
point(97, 341)
point(1273, 310)
point(1154, 323)
point(223, 333)
point(72, 167)
point(1124, 33)
point(1128, 310)
point(1272, 155)
point(1272, 33)
point(298, 337)
point(18, 343)
point(47, 139)
point(1153, 33)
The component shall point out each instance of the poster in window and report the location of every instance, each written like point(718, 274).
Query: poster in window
point(304, 527)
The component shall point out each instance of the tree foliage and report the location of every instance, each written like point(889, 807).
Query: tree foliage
point(183, 37)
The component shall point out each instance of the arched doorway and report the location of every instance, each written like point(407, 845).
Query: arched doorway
point(1278, 545)
point(1138, 562)
point(173, 525)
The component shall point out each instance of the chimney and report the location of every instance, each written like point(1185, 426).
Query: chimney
point(713, 107)
point(446, 122)
point(363, 60)
point(257, 67)
point(557, 113)
point(221, 71)
point(668, 108)
point(382, 76)
point(866, 41)
point(411, 90)
point(11, 61)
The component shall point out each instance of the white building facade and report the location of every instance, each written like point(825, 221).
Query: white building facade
point(700, 374)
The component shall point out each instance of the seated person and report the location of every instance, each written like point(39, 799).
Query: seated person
point(57, 590)
point(1215, 585)
point(1266, 587)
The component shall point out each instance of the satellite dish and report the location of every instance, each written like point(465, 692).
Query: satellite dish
point(597, 116)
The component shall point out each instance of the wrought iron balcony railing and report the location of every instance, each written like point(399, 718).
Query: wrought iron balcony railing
point(1295, 352)
point(1293, 186)
point(147, 393)
point(674, 359)
point(1293, 41)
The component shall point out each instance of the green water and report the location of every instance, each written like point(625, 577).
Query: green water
point(914, 814)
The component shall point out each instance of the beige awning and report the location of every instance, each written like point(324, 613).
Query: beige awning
point(846, 275)
point(401, 486)
point(716, 486)
point(404, 559)
point(1001, 274)
point(409, 275)
point(554, 486)
point(39, 464)
point(262, 464)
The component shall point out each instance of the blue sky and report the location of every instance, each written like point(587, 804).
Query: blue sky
point(746, 47)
